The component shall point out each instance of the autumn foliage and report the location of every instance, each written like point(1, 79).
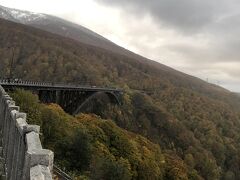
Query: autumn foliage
point(196, 124)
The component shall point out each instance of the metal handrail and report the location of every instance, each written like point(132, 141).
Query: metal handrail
point(61, 174)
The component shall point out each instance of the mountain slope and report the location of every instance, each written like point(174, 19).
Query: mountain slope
point(79, 33)
point(191, 119)
point(62, 27)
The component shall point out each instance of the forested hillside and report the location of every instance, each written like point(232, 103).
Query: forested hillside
point(196, 124)
point(89, 147)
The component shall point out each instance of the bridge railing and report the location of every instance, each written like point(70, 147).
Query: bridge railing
point(17, 81)
point(51, 84)
point(22, 150)
point(35, 83)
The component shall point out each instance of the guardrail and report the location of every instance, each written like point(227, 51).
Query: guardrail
point(22, 150)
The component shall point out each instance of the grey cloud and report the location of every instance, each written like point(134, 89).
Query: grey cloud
point(186, 15)
point(209, 31)
point(216, 51)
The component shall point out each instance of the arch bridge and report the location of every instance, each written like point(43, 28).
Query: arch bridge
point(72, 98)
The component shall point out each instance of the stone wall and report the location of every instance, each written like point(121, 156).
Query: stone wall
point(21, 147)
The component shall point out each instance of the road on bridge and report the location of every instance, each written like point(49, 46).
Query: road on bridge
point(54, 86)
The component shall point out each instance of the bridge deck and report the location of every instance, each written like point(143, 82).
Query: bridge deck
point(72, 98)
point(55, 86)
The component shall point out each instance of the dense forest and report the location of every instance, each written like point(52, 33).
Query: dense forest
point(188, 129)
point(87, 146)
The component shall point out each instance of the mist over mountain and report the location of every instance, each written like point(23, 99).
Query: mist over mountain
point(79, 33)
point(62, 27)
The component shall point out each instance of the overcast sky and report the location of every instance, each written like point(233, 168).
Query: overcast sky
point(198, 37)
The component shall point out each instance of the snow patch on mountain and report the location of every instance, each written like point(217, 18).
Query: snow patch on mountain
point(59, 26)
point(24, 17)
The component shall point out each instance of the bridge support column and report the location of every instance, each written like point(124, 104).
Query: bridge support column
point(58, 97)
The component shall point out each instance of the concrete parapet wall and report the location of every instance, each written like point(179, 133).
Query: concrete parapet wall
point(22, 150)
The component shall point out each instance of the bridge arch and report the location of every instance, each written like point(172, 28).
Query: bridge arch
point(70, 97)
point(112, 98)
